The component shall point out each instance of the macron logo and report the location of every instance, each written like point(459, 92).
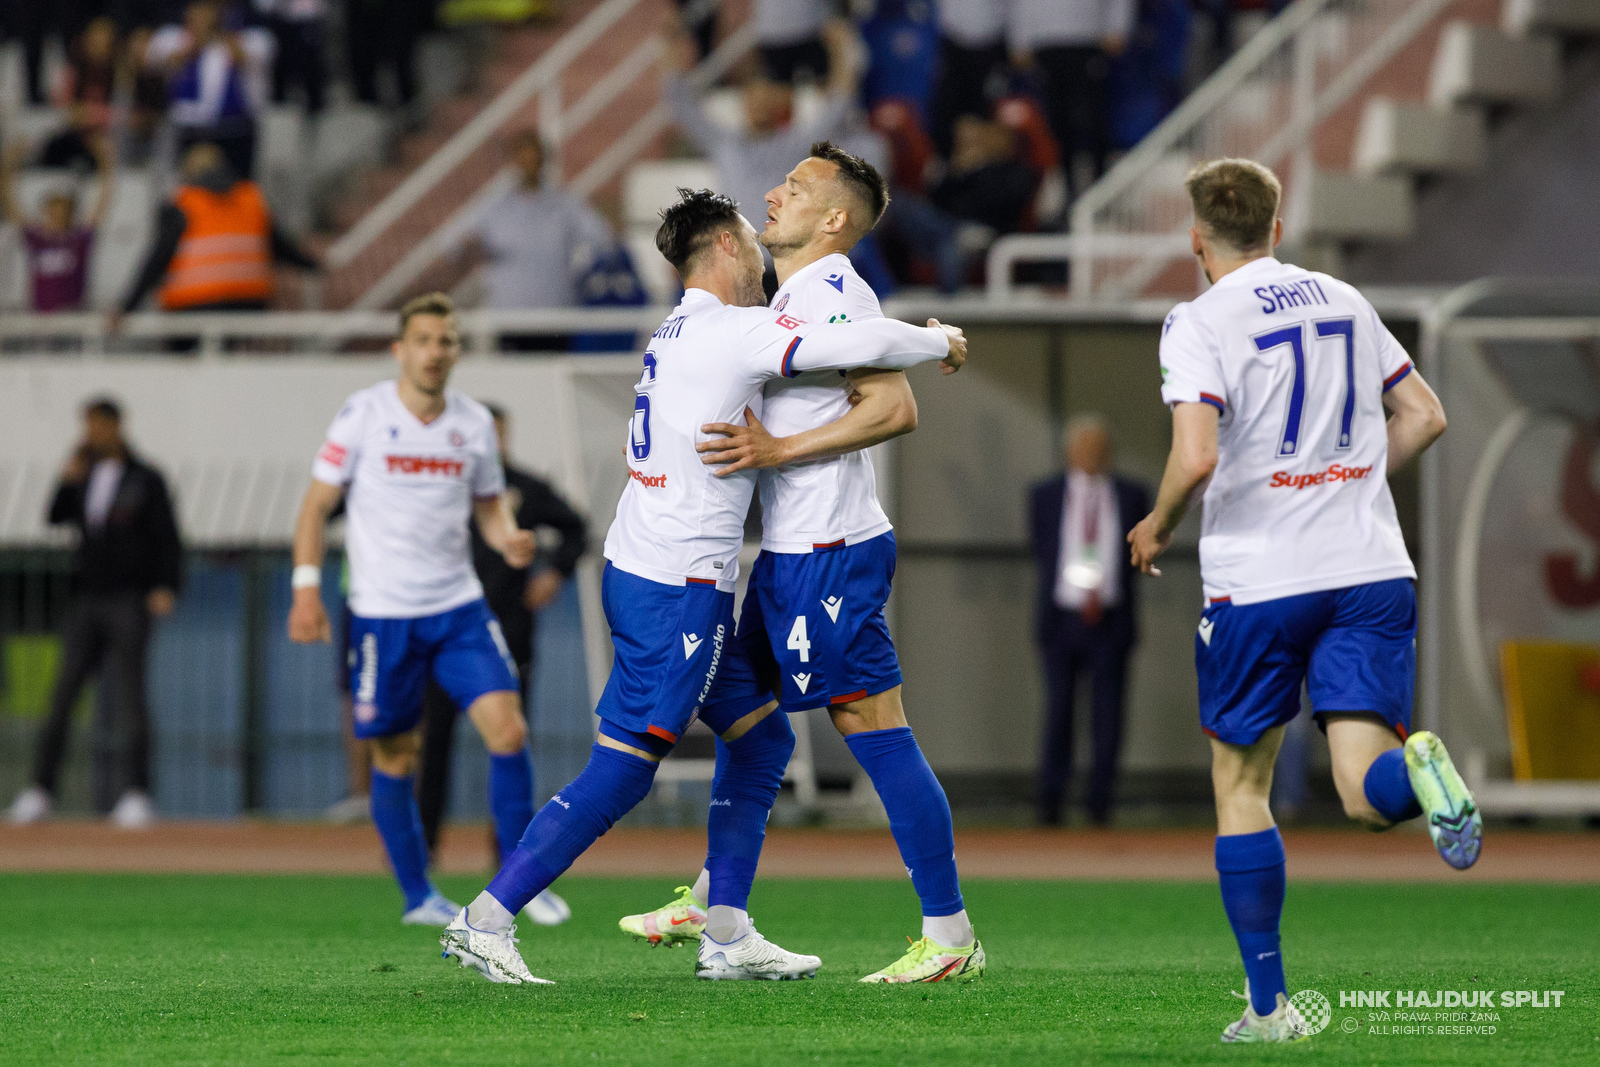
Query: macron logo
point(801, 680)
point(832, 606)
point(691, 644)
point(1206, 626)
point(835, 280)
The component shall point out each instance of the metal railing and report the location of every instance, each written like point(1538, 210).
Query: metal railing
point(1265, 103)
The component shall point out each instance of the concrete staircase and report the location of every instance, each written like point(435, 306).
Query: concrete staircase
point(1430, 112)
point(513, 52)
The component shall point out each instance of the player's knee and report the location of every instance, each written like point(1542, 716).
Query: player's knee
point(770, 741)
point(395, 756)
point(510, 735)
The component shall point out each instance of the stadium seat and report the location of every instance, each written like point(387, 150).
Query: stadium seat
point(646, 189)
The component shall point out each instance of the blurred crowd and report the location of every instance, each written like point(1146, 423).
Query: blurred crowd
point(990, 117)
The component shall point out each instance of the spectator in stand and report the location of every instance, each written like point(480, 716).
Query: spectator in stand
point(300, 29)
point(698, 19)
point(33, 22)
point(972, 59)
point(902, 39)
point(384, 33)
point(1067, 45)
point(57, 245)
point(789, 40)
point(537, 240)
point(127, 573)
point(215, 243)
point(985, 193)
point(216, 81)
point(89, 79)
point(1146, 81)
point(1087, 617)
point(515, 596)
point(753, 160)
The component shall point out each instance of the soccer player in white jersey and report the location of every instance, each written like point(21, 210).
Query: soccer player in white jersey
point(1278, 379)
point(415, 460)
point(815, 610)
point(672, 559)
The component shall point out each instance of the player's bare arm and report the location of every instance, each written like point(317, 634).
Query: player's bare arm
point(1417, 419)
point(1190, 463)
point(308, 619)
point(883, 407)
point(499, 528)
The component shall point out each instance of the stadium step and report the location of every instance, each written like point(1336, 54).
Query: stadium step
point(1483, 65)
point(1573, 18)
point(1396, 137)
point(1348, 207)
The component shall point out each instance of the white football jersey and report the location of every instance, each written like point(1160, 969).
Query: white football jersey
point(1297, 363)
point(824, 501)
point(409, 498)
point(676, 520)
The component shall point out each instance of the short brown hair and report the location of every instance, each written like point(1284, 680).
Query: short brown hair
point(427, 304)
point(1235, 202)
point(858, 177)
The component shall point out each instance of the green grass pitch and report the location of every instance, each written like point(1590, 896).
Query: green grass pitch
point(172, 970)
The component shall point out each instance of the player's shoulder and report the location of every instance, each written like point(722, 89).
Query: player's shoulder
point(1185, 321)
point(361, 403)
point(470, 410)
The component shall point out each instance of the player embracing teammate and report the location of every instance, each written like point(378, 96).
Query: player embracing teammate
point(814, 615)
point(1278, 379)
point(672, 559)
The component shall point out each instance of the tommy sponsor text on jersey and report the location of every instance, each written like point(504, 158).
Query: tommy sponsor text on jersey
point(409, 492)
point(677, 521)
point(1296, 363)
point(833, 499)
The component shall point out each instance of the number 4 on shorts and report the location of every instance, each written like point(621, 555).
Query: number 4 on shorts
point(797, 639)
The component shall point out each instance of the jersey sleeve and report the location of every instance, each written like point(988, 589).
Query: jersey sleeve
point(1191, 365)
point(336, 462)
point(1393, 362)
point(855, 301)
point(783, 346)
point(488, 477)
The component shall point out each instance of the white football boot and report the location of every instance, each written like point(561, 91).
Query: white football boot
point(134, 811)
point(547, 909)
point(437, 910)
point(1283, 1025)
point(752, 956)
point(32, 805)
point(492, 955)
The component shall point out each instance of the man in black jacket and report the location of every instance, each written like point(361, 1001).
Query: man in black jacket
point(515, 596)
point(127, 572)
point(1087, 610)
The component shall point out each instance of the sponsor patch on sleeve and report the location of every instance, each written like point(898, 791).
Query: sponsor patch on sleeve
point(333, 453)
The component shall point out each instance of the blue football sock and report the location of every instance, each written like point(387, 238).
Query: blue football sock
point(1250, 867)
point(919, 814)
point(748, 777)
point(1388, 787)
point(399, 823)
point(510, 798)
point(607, 789)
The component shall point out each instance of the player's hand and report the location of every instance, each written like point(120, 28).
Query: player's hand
point(1148, 543)
point(160, 602)
point(542, 588)
point(308, 621)
point(748, 447)
point(518, 549)
point(958, 347)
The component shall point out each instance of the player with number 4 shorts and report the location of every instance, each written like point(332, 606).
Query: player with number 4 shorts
point(814, 614)
point(672, 560)
point(1278, 379)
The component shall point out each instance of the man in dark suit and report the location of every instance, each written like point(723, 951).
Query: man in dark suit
point(127, 572)
point(515, 597)
point(1087, 609)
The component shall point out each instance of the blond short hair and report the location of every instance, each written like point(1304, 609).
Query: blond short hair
point(427, 304)
point(1235, 202)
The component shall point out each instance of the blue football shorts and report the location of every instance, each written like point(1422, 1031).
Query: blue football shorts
point(1354, 649)
point(676, 657)
point(816, 620)
point(390, 660)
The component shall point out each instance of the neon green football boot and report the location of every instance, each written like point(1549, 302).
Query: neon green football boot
point(677, 924)
point(929, 961)
point(1454, 822)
